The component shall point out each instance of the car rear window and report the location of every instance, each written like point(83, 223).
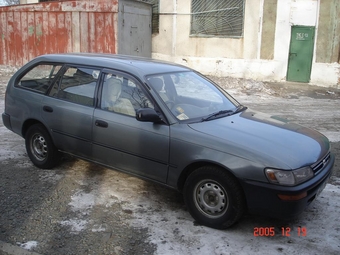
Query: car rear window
point(39, 78)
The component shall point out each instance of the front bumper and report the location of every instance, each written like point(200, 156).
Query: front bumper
point(262, 198)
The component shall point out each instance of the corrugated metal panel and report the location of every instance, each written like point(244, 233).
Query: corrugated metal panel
point(134, 28)
point(52, 27)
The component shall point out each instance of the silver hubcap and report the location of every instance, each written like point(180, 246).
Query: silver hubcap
point(39, 147)
point(211, 198)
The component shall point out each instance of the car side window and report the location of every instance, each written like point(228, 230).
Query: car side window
point(39, 78)
point(77, 85)
point(123, 95)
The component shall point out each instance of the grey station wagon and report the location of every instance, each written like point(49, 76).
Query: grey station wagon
point(169, 124)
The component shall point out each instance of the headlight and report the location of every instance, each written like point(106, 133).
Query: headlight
point(289, 177)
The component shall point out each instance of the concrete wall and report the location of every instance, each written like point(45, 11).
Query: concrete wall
point(175, 30)
point(328, 43)
point(212, 55)
point(262, 52)
point(268, 29)
point(29, 1)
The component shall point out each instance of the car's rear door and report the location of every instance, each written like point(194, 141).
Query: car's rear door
point(119, 140)
point(68, 110)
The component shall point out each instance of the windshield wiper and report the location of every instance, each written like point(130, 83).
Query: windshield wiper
point(215, 114)
point(240, 108)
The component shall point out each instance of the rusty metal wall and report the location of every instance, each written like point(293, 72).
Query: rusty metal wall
point(54, 27)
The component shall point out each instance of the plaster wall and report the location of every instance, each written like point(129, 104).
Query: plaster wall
point(326, 74)
point(304, 12)
point(176, 14)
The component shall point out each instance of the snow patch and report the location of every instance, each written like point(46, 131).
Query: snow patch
point(76, 225)
point(50, 176)
point(7, 70)
point(28, 245)
point(99, 228)
point(82, 201)
point(332, 136)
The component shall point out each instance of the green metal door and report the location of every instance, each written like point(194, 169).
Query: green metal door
point(300, 54)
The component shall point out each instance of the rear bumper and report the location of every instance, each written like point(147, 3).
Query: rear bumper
point(6, 119)
point(262, 198)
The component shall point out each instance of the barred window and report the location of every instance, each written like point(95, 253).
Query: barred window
point(218, 18)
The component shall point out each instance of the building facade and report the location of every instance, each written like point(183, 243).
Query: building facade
point(272, 40)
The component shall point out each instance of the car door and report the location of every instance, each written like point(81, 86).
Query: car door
point(122, 142)
point(68, 111)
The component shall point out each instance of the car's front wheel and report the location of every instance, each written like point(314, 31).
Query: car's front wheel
point(214, 197)
point(40, 147)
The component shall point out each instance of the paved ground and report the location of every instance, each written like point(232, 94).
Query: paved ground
point(82, 208)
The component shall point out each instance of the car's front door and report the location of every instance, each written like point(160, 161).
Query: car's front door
point(122, 142)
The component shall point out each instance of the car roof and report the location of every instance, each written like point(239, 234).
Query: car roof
point(141, 65)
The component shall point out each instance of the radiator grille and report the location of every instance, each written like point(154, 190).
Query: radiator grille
point(318, 166)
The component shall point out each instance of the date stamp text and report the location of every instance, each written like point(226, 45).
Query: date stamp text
point(284, 231)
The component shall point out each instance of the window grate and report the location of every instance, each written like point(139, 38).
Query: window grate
point(217, 18)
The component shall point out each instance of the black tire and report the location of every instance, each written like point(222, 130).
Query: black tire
point(40, 147)
point(214, 197)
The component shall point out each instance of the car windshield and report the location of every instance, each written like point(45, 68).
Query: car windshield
point(192, 97)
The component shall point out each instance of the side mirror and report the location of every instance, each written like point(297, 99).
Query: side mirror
point(147, 115)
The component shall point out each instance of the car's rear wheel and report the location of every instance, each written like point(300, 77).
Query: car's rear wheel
point(214, 197)
point(40, 147)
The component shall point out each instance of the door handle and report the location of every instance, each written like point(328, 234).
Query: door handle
point(48, 108)
point(100, 123)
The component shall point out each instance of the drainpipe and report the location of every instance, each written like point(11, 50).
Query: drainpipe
point(259, 36)
point(174, 29)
